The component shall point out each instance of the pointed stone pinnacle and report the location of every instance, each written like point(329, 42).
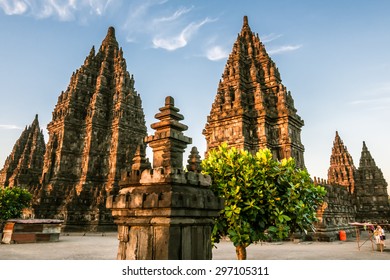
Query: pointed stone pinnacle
point(246, 21)
point(111, 32)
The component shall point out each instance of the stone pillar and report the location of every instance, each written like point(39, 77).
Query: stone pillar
point(164, 213)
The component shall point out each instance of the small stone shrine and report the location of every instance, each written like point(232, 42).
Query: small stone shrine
point(165, 213)
point(372, 199)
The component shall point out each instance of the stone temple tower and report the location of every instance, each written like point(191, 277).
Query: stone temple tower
point(97, 124)
point(371, 190)
point(342, 171)
point(253, 109)
point(23, 167)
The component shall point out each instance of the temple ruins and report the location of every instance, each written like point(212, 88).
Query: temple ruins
point(97, 141)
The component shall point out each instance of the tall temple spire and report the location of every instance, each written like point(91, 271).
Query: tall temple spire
point(23, 166)
point(110, 39)
point(252, 108)
point(342, 170)
point(371, 190)
point(97, 126)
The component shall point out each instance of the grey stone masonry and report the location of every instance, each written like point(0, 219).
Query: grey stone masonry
point(165, 213)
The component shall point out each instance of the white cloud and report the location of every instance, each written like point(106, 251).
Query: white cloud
point(216, 53)
point(99, 6)
point(65, 10)
point(9, 126)
point(373, 102)
point(377, 96)
point(270, 37)
point(175, 15)
point(181, 40)
point(13, 7)
point(140, 20)
point(284, 49)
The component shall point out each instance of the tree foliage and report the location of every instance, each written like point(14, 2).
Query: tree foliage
point(264, 198)
point(12, 202)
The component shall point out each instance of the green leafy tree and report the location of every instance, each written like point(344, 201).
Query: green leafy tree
point(265, 199)
point(13, 201)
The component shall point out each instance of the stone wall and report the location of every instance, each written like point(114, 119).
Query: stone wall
point(335, 214)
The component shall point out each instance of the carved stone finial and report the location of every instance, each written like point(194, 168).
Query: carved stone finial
point(111, 32)
point(246, 21)
point(168, 142)
point(194, 161)
point(169, 101)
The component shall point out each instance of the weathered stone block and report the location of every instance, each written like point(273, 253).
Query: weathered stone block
point(151, 201)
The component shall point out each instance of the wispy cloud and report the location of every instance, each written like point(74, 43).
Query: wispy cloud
point(284, 49)
point(66, 10)
point(149, 17)
point(216, 53)
point(15, 7)
point(172, 43)
point(374, 99)
point(162, 24)
point(9, 126)
point(178, 13)
point(270, 37)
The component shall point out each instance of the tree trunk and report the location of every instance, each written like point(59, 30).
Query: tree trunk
point(241, 252)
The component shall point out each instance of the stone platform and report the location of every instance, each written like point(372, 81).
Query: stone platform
point(31, 231)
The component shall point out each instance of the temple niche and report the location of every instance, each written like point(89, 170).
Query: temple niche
point(252, 109)
point(97, 125)
point(23, 167)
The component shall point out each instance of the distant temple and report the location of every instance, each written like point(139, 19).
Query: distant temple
point(372, 199)
point(23, 167)
point(342, 171)
point(97, 141)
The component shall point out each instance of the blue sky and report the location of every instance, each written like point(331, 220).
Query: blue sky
point(332, 55)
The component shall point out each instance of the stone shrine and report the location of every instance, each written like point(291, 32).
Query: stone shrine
point(97, 124)
point(165, 213)
point(342, 171)
point(252, 109)
point(372, 199)
point(23, 167)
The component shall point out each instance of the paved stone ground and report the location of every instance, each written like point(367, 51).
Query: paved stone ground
point(104, 247)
